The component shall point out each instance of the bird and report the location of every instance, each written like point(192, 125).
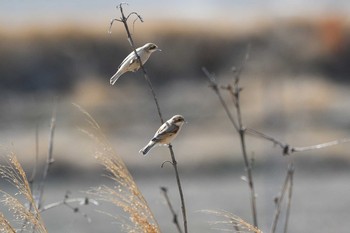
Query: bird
point(131, 63)
point(165, 134)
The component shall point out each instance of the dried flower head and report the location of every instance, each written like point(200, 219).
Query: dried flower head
point(22, 212)
point(125, 194)
point(235, 223)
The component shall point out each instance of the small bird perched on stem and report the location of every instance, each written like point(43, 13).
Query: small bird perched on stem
point(166, 133)
point(131, 62)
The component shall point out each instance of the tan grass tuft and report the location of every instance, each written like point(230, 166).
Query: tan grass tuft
point(125, 194)
point(5, 225)
point(235, 223)
point(14, 173)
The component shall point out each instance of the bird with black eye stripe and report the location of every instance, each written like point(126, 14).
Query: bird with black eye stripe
point(166, 133)
point(131, 63)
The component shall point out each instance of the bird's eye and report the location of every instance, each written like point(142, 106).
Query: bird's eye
point(152, 47)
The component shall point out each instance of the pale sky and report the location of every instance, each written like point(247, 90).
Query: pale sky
point(15, 13)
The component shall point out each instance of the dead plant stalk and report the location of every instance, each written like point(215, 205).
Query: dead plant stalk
point(124, 20)
point(235, 92)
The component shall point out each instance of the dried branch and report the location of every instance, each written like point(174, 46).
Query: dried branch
point(183, 207)
point(238, 125)
point(124, 20)
point(50, 159)
point(281, 196)
point(34, 171)
point(288, 149)
point(289, 201)
point(67, 202)
point(175, 220)
point(215, 87)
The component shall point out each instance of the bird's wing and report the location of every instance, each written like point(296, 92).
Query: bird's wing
point(126, 59)
point(130, 57)
point(165, 130)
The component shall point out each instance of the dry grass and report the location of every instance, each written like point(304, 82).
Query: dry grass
point(5, 226)
point(125, 194)
point(14, 173)
point(231, 222)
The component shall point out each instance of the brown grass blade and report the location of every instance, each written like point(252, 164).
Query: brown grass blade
point(14, 174)
point(125, 194)
point(5, 225)
point(233, 221)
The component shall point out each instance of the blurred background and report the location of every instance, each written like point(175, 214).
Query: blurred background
point(295, 87)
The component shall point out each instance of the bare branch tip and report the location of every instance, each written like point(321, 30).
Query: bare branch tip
point(120, 5)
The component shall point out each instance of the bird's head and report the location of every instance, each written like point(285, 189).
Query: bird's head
point(177, 120)
point(151, 47)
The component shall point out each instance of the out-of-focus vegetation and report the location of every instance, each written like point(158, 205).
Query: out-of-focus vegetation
point(42, 61)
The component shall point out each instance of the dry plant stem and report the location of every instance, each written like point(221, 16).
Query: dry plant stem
point(288, 149)
point(281, 196)
point(183, 207)
point(241, 130)
point(215, 87)
point(5, 225)
point(67, 202)
point(14, 173)
point(125, 194)
point(247, 163)
point(175, 220)
point(32, 178)
point(290, 191)
point(124, 20)
point(50, 159)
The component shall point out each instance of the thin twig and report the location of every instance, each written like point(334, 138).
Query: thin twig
point(183, 207)
point(215, 87)
point(247, 163)
point(285, 147)
point(320, 146)
point(67, 202)
point(288, 149)
point(123, 20)
point(175, 220)
point(280, 198)
point(235, 93)
point(80, 200)
point(290, 191)
point(50, 159)
point(238, 125)
point(33, 175)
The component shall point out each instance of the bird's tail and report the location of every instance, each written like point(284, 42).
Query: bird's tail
point(149, 146)
point(115, 77)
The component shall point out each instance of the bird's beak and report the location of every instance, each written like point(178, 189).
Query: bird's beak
point(158, 49)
